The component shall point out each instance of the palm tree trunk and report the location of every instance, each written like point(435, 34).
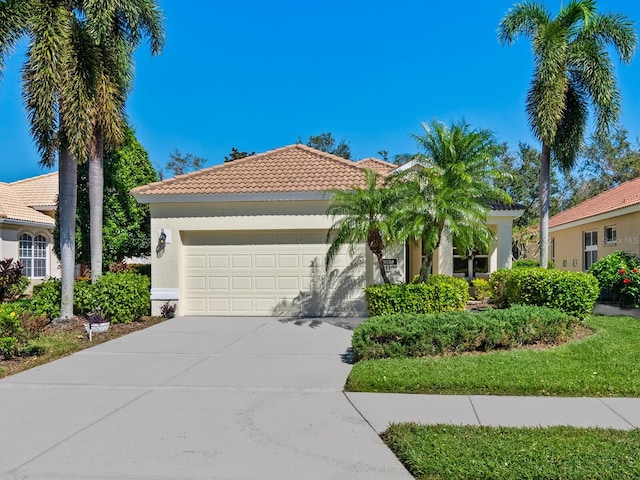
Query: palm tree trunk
point(383, 272)
point(96, 197)
point(545, 176)
point(427, 263)
point(67, 200)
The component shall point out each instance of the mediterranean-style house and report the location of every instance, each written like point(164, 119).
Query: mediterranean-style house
point(249, 237)
point(27, 220)
point(596, 228)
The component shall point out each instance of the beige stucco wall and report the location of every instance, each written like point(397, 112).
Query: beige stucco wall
point(500, 223)
point(569, 250)
point(176, 218)
point(10, 245)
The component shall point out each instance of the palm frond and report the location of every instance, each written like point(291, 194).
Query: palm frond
point(522, 19)
point(14, 19)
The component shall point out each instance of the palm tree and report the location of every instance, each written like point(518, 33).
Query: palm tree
point(57, 77)
point(361, 214)
point(572, 70)
point(451, 191)
point(116, 29)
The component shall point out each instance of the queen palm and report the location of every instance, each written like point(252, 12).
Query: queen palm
point(70, 73)
point(572, 70)
point(361, 215)
point(116, 29)
point(452, 190)
point(57, 78)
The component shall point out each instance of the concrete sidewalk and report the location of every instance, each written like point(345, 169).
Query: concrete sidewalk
point(382, 409)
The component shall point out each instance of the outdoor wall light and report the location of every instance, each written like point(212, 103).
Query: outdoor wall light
point(162, 241)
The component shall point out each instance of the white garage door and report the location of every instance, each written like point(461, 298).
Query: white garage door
point(268, 273)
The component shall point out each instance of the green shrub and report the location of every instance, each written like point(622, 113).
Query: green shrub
point(12, 332)
point(412, 335)
point(46, 298)
point(122, 297)
point(83, 297)
point(525, 263)
point(574, 293)
point(530, 263)
point(16, 290)
point(439, 294)
point(607, 271)
point(140, 269)
point(482, 289)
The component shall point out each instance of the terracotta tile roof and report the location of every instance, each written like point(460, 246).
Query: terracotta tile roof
point(378, 166)
point(624, 195)
point(23, 200)
point(294, 168)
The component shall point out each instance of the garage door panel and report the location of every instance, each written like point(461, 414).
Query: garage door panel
point(241, 261)
point(288, 283)
point(219, 283)
point(288, 261)
point(265, 261)
point(265, 273)
point(197, 283)
point(241, 283)
point(196, 261)
point(265, 305)
point(218, 261)
point(218, 304)
point(265, 283)
point(242, 305)
point(197, 306)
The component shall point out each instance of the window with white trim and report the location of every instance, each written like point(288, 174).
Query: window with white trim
point(33, 255)
point(590, 241)
point(610, 234)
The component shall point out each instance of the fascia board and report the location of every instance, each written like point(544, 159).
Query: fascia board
point(232, 197)
point(24, 223)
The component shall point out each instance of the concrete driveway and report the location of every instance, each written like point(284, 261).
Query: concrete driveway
point(194, 398)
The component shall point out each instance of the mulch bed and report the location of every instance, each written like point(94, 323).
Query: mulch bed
point(73, 331)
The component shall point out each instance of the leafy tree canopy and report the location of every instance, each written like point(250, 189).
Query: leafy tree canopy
point(607, 162)
point(521, 182)
point(126, 228)
point(180, 164)
point(325, 142)
point(236, 154)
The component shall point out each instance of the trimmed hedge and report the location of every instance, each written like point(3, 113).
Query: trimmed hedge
point(574, 293)
point(440, 293)
point(120, 297)
point(399, 336)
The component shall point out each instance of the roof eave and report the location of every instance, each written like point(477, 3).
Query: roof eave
point(26, 223)
point(148, 198)
point(597, 218)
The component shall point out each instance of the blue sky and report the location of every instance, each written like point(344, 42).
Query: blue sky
point(260, 74)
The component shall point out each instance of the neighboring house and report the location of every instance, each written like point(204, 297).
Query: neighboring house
point(249, 237)
point(597, 227)
point(27, 219)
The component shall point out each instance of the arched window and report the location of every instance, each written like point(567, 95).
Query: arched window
point(33, 254)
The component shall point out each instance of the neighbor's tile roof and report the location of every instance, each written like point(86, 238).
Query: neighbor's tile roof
point(378, 166)
point(23, 199)
point(294, 168)
point(622, 196)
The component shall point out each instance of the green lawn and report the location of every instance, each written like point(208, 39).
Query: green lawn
point(453, 452)
point(604, 364)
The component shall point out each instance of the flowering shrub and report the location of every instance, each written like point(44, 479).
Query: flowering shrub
point(630, 289)
point(607, 271)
